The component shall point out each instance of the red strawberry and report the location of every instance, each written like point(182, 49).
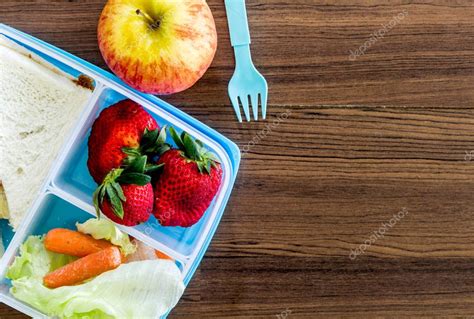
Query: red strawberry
point(126, 195)
point(119, 126)
point(189, 181)
point(137, 208)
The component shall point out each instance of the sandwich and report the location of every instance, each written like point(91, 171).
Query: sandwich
point(39, 104)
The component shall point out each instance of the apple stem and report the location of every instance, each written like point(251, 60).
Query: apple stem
point(154, 24)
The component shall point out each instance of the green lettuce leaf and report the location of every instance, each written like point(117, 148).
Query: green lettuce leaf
point(142, 289)
point(105, 229)
point(35, 261)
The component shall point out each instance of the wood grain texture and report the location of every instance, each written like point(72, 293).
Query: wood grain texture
point(347, 145)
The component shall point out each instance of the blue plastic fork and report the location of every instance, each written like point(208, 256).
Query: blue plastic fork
point(247, 85)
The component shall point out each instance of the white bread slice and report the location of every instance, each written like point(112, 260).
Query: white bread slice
point(39, 105)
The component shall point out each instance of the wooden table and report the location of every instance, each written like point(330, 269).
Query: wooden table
point(357, 139)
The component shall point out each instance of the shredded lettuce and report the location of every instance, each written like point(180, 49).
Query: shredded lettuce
point(105, 229)
point(142, 289)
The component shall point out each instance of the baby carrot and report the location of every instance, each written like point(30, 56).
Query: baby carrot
point(74, 243)
point(161, 255)
point(84, 268)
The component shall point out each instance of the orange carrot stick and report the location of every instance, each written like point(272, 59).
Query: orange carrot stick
point(84, 268)
point(161, 255)
point(74, 243)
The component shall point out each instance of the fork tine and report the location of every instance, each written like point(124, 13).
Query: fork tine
point(245, 106)
point(254, 102)
point(263, 100)
point(235, 104)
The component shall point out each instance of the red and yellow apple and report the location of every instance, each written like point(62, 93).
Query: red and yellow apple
point(157, 46)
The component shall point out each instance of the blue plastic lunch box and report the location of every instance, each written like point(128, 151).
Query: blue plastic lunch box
point(69, 187)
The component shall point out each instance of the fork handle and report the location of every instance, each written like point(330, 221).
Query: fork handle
point(238, 24)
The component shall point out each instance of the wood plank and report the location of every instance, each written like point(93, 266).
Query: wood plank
point(332, 288)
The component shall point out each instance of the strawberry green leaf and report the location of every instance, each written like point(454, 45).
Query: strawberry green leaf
point(212, 157)
point(157, 149)
point(115, 200)
point(132, 154)
point(95, 200)
point(153, 144)
point(162, 149)
point(190, 147)
point(148, 138)
point(137, 165)
point(110, 191)
point(200, 166)
point(98, 197)
point(193, 150)
point(176, 138)
point(131, 151)
point(101, 194)
point(152, 168)
point(162, 136)
point(134, 178)
point(119, 191)
point(198, 142)
point(117, 206)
